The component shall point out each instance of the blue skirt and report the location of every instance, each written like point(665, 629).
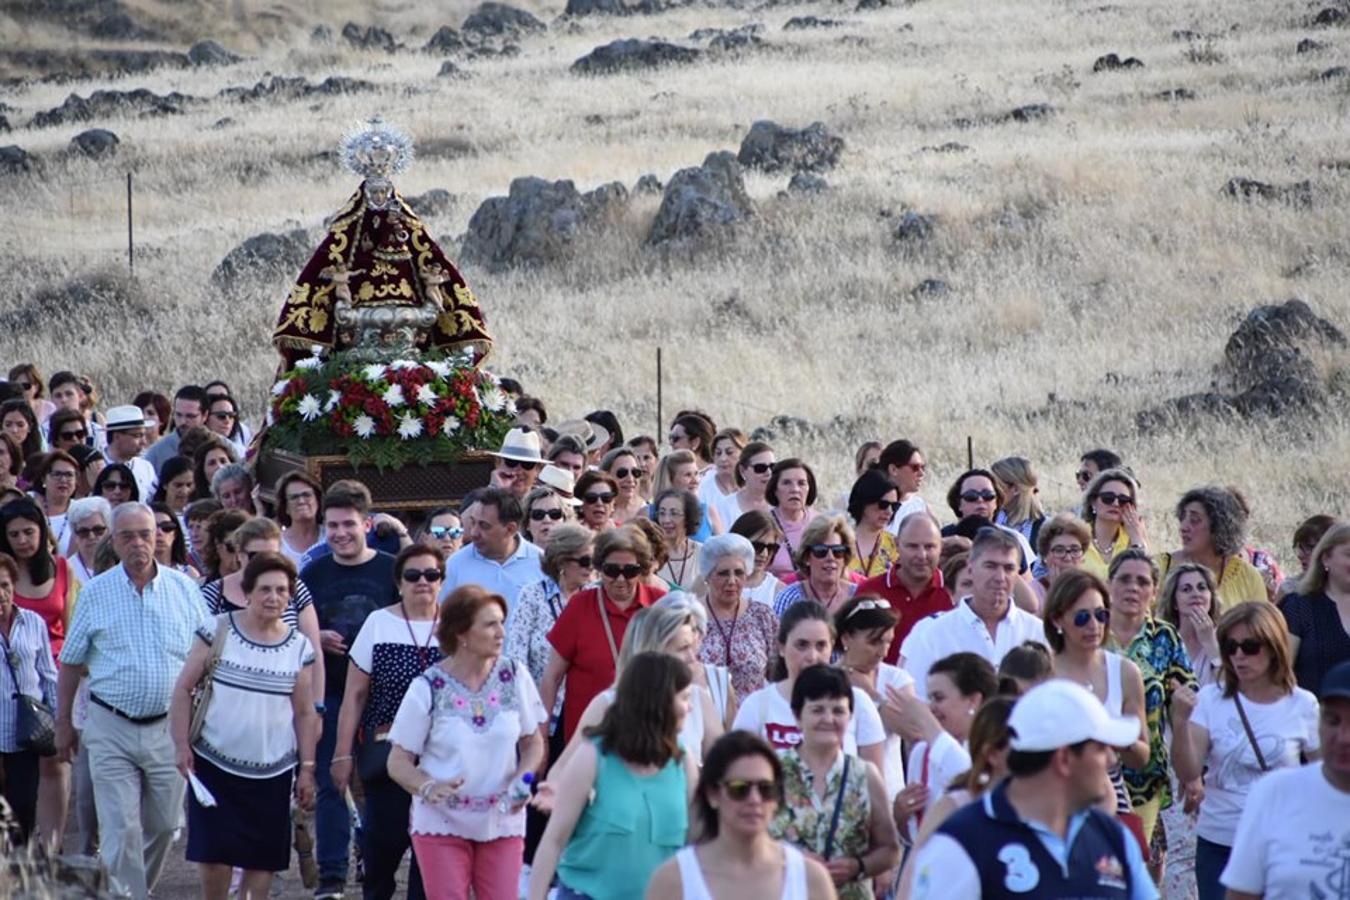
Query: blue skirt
point(250, 825)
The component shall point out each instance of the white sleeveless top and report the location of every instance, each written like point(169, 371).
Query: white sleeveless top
point(691, 734)
point(1115, 696)
point(695, 888)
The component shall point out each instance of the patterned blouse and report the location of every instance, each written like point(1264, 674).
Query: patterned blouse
point(804, 818)
point(878, 559)
point(537, 607)
point(1159, 653)
point(745, 644)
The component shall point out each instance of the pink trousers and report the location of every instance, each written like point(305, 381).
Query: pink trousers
point(452, 865)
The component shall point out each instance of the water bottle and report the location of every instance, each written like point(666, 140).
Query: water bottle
point(519, 790)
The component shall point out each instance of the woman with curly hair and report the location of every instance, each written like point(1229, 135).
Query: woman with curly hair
point(1213, 523)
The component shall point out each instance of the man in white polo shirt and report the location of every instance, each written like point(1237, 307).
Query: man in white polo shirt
point(499, 559)
point(987, 622)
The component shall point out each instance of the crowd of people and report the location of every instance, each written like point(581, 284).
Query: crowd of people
point(667, 668)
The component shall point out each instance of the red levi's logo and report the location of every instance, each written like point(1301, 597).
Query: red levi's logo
point(1110, 873)
point(782, 737)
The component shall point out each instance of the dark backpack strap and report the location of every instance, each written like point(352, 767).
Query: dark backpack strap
point(838, 808)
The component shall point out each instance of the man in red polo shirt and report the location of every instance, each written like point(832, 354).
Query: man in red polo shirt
point(912, 585)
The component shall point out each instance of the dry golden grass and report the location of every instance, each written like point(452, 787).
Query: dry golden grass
point(1091, 255)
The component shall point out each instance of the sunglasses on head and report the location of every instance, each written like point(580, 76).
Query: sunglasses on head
point(412, 576)
point(614, 570)
point(634, 472)
point(1111, 498)
point(820, 551)
point(866, 605)
point(446, 531)
point(1083, 616)
point(91, 531)
point(739, 789)
point(605, 498)
point(1248, 646)
point(770, 549)
point(73, 435)
point(539, 515)
point(518, 464)
point(973, 496)
point(760, 468)
point(583, 561)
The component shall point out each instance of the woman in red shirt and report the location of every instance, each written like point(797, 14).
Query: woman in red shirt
point(589, 632)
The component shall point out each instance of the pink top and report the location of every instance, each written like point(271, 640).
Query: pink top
point(781, 566)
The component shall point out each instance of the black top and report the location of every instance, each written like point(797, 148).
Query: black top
point(1322, 641)
point(343, 597)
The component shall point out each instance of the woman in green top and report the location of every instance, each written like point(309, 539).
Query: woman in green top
point(624, 806)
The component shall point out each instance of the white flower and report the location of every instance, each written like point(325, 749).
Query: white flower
point(334, 398)
point(494, 398)
point(404, 364)
point(409, 426)
point(309, 362)
point(450, 424)
point(374, 371)
point(441, 369)
point(271, 419)
point(309, 407)
point(280, 387)
point(426, 394)
point(394, 395)
point(364, 425)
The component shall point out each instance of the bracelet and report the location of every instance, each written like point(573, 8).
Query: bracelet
point(862, 867)
point(424, 790)
point(338, 759)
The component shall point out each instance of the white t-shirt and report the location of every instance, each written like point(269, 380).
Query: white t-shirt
point(1283, 730)
point(947, 758)
point(891, 677)
point(727, 505)
point(459, 733)
point(709, 493)
point(914, 504)
point(767, 590)
point(767, 713)
point(1292, 839)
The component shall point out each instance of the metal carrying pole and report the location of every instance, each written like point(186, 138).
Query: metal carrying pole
point(131, 246)
point(970, 452)
point(659, 387)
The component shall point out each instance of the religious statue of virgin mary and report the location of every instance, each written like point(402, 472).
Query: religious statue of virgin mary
point(378, 281)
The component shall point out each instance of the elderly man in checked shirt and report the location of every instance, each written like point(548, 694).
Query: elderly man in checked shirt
point(131, 632)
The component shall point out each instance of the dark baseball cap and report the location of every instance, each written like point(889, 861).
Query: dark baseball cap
point(1336, 683)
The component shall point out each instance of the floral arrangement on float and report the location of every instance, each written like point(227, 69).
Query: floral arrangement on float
point(388, 412)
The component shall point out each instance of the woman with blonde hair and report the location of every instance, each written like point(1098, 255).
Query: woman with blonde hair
point(822, 560)
point(1318, 613)
point(1189, 602)
point(678, 470)
point(1254, 720)
point(1021, 509)
point(622, 464)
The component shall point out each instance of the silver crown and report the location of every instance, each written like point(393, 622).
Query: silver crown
point(374, 149)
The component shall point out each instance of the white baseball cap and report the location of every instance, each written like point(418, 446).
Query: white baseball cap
point(1058, 713)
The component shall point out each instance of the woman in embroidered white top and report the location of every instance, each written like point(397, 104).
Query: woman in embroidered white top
point(260, 726)
point(465, 737)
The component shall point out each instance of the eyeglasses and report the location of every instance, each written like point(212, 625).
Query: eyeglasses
point(739, 789)
point(1083, 616)
point(91, 531)
point(1074, 552)
point(307, 497)
point(628, 473)
point(1111, 498)
point(61, 475)
point(412, 576)
point(768, 549)
point(729, 573)
point(867, 605)
point(1083, 476)
point(518, 464)
point(583, 561)
point(169, 528)
point(605, 498)
point(614, 570)
point(539, 515)
point(1248, 646)
point(222, 415)
point(973, 496)
point(449, 531)
point(820, 551)
point(760, 468)
point(72, 435)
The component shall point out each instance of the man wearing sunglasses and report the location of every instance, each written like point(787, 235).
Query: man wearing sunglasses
point(125, 426)
point(498, 559)
point(912, 585)
point(987, 622)
point(1039, 833)
point(518, 462)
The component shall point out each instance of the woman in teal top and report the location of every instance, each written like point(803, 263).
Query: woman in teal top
point(621, 808)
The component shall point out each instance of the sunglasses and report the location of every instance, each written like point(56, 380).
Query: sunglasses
point(770, 549)
point(891, 506)
point(23, 385)
point(1074, 552)
point(116, 486)
point(412, 576)
point(539, 515)
point(605, 498)
point(1084, 616)
point(222, 415)
point(1111, 498)
point(446, 531)
point(91, 531)
point(820, 551)
point(760, 468)
point(614, 570)
point(972, 496)
point(1083, 476)
point(739, 789)
point(1249, 647)
point(627, 473)
point(73, 435)
point(247, 554)
point(517, 464)
point(169, 528)
point(583, 561)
